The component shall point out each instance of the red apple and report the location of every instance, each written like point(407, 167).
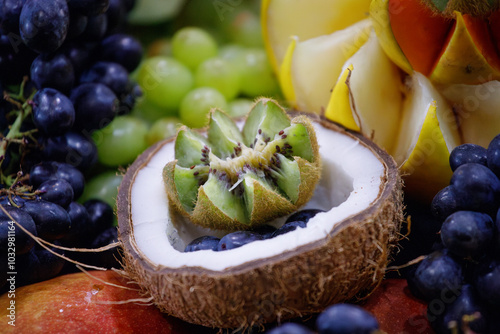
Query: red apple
point(72, 304)
point(396, 310)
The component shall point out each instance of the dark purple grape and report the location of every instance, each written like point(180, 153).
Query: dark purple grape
point(95, 106)
point(436, 276)
point(48, 265)
point(129, 4)
point(290, 328)
point(493, 155)
point(467, 233)
point(116, 14)
point(80, 55)
point(122, 49)
point(237, 239)
point(47, 170)
point(303, 215)
point(110, 74)
point(346, 319)
point(452, 320)
point(44, 24)
point(54, 71)
point(288, 227)
point(77, 24)
point(201, 243)
point(97, 26)
point(15, 59)
point(57, 191)
point(79, 222)
point(10, 10)
point(72, 148)
point(487, 281)
point(53, 112)
point(467, 153)
point(128, 101)
point(51, 220)
point(477, 188)
point(89, 7)
point(101, 215)
point(444, 203)
point(23, 242)
point(109, 258)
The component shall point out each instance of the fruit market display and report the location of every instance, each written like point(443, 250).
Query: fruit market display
point(320, 166)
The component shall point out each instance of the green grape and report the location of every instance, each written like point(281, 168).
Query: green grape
point(245, 29)
point(103, 186)
point(235, 54)
point(121, 141)
point(239, 107)
point(220, 74)
point(193, 45)
point(195, 107)
point(257, 77)
point(164, 81)
point(163, 128)
point(150, 112)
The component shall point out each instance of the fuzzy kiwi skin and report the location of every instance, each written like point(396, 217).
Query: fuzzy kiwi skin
point(346, 265)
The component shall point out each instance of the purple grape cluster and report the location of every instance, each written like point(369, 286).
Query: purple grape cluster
point(64, 72)
point(460, 278)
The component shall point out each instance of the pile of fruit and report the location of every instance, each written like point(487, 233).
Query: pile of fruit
point(89, 85)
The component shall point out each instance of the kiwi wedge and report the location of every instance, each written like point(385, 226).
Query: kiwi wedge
point(236, 179)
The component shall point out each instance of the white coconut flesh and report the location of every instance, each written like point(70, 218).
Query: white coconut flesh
point(352, 176)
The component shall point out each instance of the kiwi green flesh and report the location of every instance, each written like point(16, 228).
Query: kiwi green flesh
point(264, 121)
point(188, 147)
point(223, 135)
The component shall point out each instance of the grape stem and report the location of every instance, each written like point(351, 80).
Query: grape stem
point(15, 135)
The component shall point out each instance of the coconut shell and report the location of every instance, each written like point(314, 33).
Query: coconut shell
point(346, 265)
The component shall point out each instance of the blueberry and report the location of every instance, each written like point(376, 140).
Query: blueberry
point(467, 153)
point(346, 319)
point(266, 231)
point(477, 188)
point(237, 239)
point(467, 233)
point(290, 328)
point(444, 203)
point(487, 281)
point(437, 275)
point(453, 319)
point(303, 215)
point(201, 243)
point(288, 227)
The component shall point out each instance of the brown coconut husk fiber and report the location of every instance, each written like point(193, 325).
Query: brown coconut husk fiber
point(347, 265)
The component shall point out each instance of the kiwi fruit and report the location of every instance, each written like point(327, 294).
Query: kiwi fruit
point(234, 180)
point(341, 255)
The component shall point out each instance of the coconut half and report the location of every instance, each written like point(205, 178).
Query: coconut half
point(341, 254)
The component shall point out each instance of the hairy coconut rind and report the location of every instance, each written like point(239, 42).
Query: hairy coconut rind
point(346, 265)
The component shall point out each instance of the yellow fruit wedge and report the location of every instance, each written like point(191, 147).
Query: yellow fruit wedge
point(281, 19)
point(462, 61)
point(311, 67)
point(477, 110)
point(428, 133)
point(368, 95)
point(380, 19)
